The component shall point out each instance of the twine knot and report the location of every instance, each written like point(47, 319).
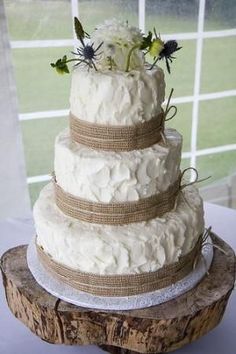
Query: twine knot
point(184, 185)
point(194, 181)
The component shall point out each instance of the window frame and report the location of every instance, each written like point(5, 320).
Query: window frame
point(195, 99)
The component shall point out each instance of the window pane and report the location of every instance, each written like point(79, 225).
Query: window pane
point(39, 87)
point(220, 14)
point(218, 66)
point(39, 136)
point(94, 12)
point(171, 16)
point(182, 70)
point(38, 19)
point(185, 163)
point(34, 190)
point(217, 166)
point(217, 125)
point(182, 123)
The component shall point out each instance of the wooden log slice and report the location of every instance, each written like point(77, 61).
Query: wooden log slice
point(157, 329)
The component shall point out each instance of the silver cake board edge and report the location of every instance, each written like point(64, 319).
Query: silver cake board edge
point(65, 292)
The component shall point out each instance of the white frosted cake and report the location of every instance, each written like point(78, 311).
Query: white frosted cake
point(106, 94)
point(117, 97)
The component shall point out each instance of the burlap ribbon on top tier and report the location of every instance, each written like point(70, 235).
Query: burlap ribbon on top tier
point(122, 285)
point(121, 138)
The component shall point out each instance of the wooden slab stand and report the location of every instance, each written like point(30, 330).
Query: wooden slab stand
point(158, 329)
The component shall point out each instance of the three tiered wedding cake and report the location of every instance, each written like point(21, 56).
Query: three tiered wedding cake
point(117, 215)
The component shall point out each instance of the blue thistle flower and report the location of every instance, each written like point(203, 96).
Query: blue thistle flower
point(88, 54)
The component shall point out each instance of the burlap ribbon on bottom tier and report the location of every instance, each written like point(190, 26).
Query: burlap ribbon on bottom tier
point(122, 285)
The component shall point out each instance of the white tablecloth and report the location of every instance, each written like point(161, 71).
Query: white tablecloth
point(16, 338)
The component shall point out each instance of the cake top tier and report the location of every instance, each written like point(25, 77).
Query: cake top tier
point(115, 97)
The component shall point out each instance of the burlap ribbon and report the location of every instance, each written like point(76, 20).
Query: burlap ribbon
point(117, 213)
point(121, 138)
point(122, 213)
point(122, 285)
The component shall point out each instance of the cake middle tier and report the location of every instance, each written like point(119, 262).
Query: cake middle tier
point(102, 176)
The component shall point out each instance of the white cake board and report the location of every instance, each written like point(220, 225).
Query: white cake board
point(79, 298)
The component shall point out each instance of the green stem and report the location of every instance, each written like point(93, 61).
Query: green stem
point(129, 56)
point(79, 61)
point(154, 63)
point(93, 64)
point(68, 61)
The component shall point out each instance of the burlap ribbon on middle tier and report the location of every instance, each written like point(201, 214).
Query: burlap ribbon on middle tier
point(122, 213)
point(116, 213)
point(121, 138)
point(125, 284)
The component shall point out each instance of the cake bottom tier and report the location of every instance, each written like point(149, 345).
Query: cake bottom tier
point(121, 249)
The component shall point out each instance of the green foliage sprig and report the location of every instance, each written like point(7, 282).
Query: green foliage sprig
point(80, 32)
point(86, 54)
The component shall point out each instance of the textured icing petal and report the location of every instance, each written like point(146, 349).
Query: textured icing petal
point(119, 173)
point(101, 178)
point(153, 168)
point(142, 175)
point(132, 194)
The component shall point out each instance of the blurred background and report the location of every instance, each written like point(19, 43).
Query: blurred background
point(203, 76)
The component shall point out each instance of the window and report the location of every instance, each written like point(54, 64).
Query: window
point(203, 77)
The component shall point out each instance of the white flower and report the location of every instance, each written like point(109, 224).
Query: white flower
point(118, 38)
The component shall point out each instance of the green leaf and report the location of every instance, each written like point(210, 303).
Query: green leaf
point(79, 29)
point(62, 69)
point(61, 65)
point(146, 41)
point(80, 33)
point(64, 59)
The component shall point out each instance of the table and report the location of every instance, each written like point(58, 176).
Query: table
point(15, 337)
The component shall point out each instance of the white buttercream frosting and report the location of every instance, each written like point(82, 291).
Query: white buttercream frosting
point(105, 249)
point(107, 176)
point(116, 97)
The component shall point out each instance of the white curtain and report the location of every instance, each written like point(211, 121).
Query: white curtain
point(14, 197)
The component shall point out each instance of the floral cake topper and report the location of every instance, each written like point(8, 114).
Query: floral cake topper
point(115, 45)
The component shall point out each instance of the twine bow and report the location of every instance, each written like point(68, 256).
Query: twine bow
point(184, 185)
point(165, 114)
point(195, 180)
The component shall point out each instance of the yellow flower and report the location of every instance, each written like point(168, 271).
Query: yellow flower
point(156, 47)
